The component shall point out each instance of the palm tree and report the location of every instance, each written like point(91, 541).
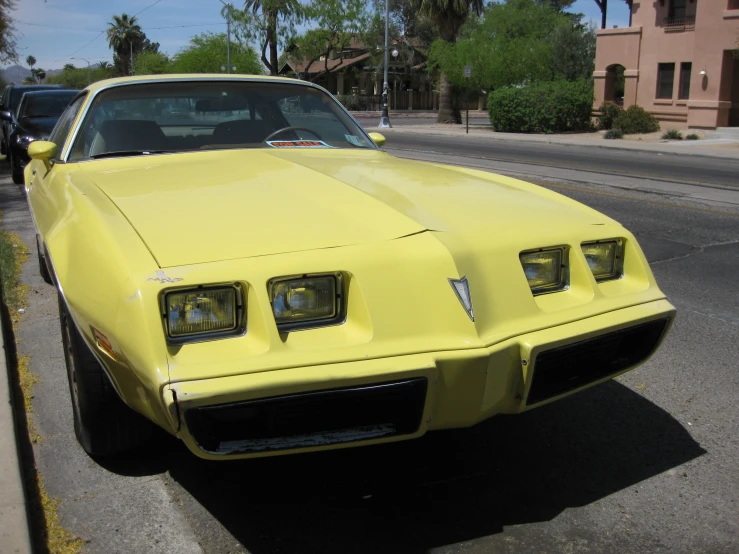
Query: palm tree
point(124, 33)
point(448, 16)
point(272, 10)
point(31, 61)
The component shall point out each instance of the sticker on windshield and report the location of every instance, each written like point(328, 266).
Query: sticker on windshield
point(356, 141)
point(298, 144)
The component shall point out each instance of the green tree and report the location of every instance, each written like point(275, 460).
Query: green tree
point(152, 63)
point(573, 51)
point(449, 16)
point(30, 61)
point(509, 46)
point(7, 32)
point(124, 34)
point(269, 23)
point(74, 77)
point(338, 22)
point(557, 5)
point(207, 52)
point(411, 34)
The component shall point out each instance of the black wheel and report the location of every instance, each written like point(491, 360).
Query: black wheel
point(104, 425)
point(42, 268)
point(15, 169)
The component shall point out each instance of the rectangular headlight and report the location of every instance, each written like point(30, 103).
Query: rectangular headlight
point(306, 301)
point(605, 258)
point(545, 269)
point(204, 311)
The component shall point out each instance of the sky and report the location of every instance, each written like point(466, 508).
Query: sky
point(56, 31)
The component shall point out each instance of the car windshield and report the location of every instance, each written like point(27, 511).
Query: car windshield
point(178, 116)
point(45, 104)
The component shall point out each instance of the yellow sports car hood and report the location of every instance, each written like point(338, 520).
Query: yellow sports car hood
point(218, 205)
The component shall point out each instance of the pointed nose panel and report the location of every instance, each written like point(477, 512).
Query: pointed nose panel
point(462, 290)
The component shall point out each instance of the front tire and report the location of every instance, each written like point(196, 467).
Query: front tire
point(16, 170)
point(42, 268)
point(103, 424)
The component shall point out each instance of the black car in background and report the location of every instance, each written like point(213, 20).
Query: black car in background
point(9, 101)
point(35, 118)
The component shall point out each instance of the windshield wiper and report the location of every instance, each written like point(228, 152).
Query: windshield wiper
point(128, 153)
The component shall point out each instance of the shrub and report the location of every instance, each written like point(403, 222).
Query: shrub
point(692, 136)
point(635, 119)
point(613, 134)
point(608, 112)
point(552, 107)
point(672, 134)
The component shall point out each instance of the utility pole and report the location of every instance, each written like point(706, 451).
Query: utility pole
point(385, 117)
point(228, 37)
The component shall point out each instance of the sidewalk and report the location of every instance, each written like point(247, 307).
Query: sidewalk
point(715, 148)
point(14, 527)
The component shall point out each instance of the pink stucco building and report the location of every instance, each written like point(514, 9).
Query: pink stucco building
point(678, 60)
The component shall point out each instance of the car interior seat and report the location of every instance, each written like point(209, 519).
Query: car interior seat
point(121, 135)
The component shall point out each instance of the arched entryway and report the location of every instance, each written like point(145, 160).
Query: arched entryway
point(615, 84)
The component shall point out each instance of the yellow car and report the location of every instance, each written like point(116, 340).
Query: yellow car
point(239, 263)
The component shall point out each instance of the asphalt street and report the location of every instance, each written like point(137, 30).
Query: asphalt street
point(647, 463)
point(696, 170)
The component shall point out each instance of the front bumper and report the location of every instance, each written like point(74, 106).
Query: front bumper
point(397, 398)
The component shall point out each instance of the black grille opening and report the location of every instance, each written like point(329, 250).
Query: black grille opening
point(310, 419)
point(567, 368)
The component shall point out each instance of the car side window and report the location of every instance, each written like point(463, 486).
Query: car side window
point(63, 127)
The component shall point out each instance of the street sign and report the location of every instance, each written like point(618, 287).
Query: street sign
point(467, 71)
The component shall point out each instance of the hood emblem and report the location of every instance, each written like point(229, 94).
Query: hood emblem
point(162, 278)
point(462, 290)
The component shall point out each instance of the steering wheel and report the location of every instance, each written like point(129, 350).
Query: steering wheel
point(292, 128)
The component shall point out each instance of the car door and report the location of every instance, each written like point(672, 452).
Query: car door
point(41, 180)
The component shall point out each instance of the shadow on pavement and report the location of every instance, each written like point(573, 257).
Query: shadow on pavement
point(444, 488)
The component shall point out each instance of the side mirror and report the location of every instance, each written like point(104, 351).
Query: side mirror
point(42, 150)
point(378, 139)
point(5, 115)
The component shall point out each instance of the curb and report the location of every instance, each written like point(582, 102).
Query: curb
point(15, 535)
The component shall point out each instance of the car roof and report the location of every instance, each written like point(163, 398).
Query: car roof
point(94, 87)
point(35, 87)
point(53, 92)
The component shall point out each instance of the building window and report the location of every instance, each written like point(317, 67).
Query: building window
point(685, 69)
point(665, 79)
point(677, 8)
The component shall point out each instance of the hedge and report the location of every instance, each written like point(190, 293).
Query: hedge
point(551, 107)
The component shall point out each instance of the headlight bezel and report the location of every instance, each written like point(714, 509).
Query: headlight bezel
point(564, 270)
point(340, 303)
point(618, 263)
point(239, 308)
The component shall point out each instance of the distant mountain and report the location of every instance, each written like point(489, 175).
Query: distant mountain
point(15, 74)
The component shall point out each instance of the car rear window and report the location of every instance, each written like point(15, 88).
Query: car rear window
point(45, 105)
